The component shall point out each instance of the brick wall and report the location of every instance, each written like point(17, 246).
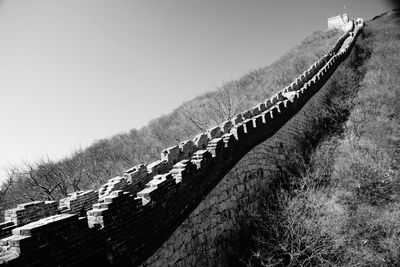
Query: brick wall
point(182, 204)
point(78, 202)
point(210, 235)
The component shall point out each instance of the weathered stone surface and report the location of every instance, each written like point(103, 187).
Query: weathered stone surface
point(79, 201)
point(189, 204)
point(220, 213)
point(32, 211)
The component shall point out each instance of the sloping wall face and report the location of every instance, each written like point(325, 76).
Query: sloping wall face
point(210, 236)
point(183, 209)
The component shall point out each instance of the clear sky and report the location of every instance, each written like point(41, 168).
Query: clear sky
point(74, 71)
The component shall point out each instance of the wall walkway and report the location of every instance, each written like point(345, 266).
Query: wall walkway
point(184, 209)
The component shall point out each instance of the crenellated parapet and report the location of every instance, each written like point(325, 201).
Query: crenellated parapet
point(133, 214)
point(79, 202)
point(29, 212)
point(26, 213)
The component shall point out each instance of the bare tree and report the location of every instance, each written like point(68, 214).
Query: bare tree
point(216, 108)
point(4, 191)
point(44, 178)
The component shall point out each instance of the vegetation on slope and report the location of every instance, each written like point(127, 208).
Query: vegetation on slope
point(340, 205)
point(93, 166)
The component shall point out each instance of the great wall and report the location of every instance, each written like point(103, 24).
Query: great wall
point(184, 209)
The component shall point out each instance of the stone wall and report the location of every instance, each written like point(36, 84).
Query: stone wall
point(210, 235)
point(78, 202)
point(29, 212)
point(189, 199)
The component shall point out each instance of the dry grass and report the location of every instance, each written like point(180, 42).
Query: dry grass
point(344, 207)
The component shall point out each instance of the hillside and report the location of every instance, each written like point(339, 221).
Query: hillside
point(188, 208)
point(338, 204)
point(308, 177)
point(93, 166)
point(197, 204)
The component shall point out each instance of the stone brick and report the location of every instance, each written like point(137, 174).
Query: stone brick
point(195, 195)
point(79, 201)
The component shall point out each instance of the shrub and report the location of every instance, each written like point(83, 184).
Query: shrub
point(342, 206)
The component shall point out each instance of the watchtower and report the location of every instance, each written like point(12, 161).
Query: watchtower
point(339, 21)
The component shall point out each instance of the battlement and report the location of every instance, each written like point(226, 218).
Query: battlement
point(79, 201)
point(131, 215)
point(29, 212)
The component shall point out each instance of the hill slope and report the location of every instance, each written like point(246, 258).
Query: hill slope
point(91, 167)
point(340, 205)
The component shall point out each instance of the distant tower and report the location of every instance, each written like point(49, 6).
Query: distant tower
point(339, 21)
